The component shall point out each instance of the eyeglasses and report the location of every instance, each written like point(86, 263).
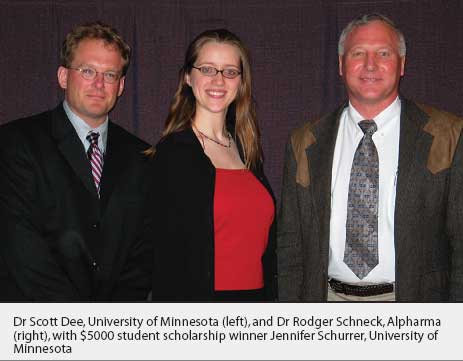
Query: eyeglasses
point(228, 73)
point(88, 73)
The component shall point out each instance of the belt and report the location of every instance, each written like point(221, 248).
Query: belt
point(361, 291)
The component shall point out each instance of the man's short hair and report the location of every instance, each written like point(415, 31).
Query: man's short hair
point(366, 19)
point(98, 31)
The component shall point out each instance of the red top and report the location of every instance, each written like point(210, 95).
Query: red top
point(243, 214)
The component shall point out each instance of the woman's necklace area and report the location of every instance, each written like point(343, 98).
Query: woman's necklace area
point(215, 141)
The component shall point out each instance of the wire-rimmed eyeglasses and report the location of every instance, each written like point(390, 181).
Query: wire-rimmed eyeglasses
point(89, 73)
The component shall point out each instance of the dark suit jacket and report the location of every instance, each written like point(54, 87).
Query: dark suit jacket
point(428, 211)
point(59, 241)
point(183, 222)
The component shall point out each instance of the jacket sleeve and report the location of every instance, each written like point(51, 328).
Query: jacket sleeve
point(23, 248)
point(455, 224)
point(289, 234)
point(134, 282)
point(163, 288)
point(270, 266)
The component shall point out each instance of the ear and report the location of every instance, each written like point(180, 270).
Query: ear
point(121, 86)
point(402, 66)
point(340, 64)
point(188, 79)
point(63, 77)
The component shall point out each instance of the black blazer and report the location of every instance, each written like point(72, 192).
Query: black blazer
point(183, 223)
point(59, 241)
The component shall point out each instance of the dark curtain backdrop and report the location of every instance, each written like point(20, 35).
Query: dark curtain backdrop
point(293, 44)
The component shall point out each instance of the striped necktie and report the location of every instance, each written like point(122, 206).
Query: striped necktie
point(96, 158)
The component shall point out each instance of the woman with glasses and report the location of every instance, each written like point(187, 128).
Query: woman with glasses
point(213, 207)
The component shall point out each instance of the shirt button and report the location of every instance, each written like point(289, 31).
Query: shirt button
point(95, 225)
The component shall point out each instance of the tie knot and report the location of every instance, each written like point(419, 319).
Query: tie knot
point(92, 137)
point(368, 126)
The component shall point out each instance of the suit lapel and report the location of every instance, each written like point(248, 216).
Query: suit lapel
point(115, 160)
point(410, 129)
point(320, 156)
point(71, 147)
point(414, 146)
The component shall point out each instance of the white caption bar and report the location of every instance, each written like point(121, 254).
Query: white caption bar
point(231, 331)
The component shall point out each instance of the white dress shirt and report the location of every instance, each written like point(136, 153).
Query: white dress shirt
point(386, 140)
point(83, 128)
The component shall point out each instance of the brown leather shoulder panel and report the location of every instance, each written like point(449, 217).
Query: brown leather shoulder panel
point(446, 129)
point(301, 139)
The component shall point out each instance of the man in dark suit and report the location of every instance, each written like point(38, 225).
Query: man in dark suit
point(372, 200)
point(72, 186)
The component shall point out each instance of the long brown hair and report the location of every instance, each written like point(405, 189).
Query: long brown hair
point(183, 107)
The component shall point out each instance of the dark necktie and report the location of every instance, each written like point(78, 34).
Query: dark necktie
point(96, 158)
point(361, 251)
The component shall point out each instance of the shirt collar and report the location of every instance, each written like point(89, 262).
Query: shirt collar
point(391, 112)
point(82, 128)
